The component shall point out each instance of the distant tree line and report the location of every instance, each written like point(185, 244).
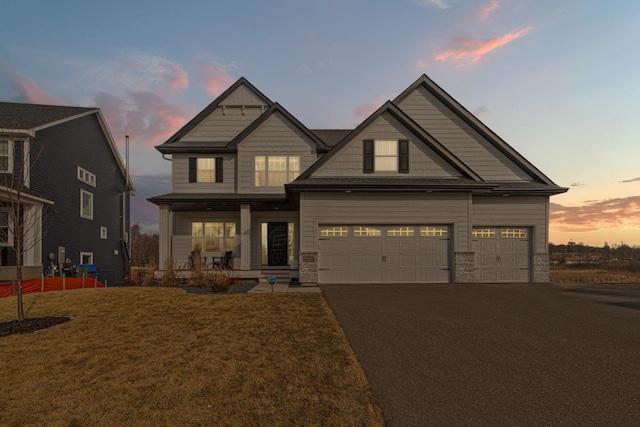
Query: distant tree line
point(581, 253)
point(144, 247)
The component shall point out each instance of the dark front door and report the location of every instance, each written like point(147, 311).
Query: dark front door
point(277, 243)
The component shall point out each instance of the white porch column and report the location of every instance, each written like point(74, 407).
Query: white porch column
point(245, 237)
point(32, 243)
point(164, 228)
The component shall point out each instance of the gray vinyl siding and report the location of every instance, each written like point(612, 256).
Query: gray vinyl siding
point(80, 142)
point(219, 127)
point(515, 212)
point(276, 136)
point(423, 161)
point(180, 174)
point(384, 209)
point(257, 218)
point(181, 240)
point(457, 136)
point(242, 96)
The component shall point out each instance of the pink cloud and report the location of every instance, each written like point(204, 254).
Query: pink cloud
point(29, 91)
point(483, 13)
point(145, 116)
point(470, 50)
point(214, 78)
point(596, 215)
point(144, 72)
point(365, 111)
point(422, 63)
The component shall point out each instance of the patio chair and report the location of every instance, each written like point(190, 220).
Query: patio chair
point(224, 261)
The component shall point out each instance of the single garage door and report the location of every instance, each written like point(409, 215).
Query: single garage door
point(502, 254)
point(384, 254)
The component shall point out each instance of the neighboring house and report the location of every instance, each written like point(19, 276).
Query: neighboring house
point(74, 182)
point(421, 191)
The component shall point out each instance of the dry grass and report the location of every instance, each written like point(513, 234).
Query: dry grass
point(142, 356)
point(592, 275)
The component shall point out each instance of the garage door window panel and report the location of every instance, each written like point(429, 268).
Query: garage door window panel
point(513, 233)
point(427, 231)
point(338, 231)
point(401, 232)
point(359, 231)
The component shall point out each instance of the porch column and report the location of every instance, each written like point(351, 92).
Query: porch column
point(245, 237)
point(32, 243)
point(164, 229)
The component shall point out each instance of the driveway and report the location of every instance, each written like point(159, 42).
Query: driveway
point(486, 354)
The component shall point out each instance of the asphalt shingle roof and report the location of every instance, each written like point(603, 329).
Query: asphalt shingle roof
point(28, 116)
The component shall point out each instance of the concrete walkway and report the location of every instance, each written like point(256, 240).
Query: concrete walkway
point(282, 287)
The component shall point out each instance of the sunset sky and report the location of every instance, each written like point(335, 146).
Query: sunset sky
point(558, 80)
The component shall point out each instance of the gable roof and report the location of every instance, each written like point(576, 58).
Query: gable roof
point(320, 145)
point(14, 115)
point(412, 126)
point(475, 124)
point(211, 107)
point(331, 136)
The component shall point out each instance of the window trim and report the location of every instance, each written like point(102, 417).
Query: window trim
point(90, 254)
point(223, 239)
point(82, 194)
point(86, 176)
point(288, 171)
point(9, 227)
point(104, 233)
point(194, 169)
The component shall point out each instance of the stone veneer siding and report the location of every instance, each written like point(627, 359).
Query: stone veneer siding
point(464, 267)
point(541, 268)
point(308, 268)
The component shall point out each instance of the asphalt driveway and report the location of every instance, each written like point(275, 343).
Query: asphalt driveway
point(496, 354)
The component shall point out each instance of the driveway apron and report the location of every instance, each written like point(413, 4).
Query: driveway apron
point(526, 354)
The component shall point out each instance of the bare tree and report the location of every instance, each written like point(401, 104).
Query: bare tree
point(23, 219)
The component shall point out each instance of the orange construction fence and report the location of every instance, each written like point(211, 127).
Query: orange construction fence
point(47, 284)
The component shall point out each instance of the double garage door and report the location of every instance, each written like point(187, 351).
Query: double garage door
point(384, 254)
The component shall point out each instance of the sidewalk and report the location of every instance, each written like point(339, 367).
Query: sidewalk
point(283, 287)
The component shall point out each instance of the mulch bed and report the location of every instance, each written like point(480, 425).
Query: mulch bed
point(28, 326)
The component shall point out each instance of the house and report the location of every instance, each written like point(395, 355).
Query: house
point(421, 191)
point(73, 186)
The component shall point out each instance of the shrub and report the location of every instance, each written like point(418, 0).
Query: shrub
point(141, 276)
point(170, 276)
point(219, 281)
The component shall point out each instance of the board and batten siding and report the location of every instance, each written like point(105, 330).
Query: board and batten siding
point(459, 138)
point(275, 137)
point(384, 209)
point(423, 161)
point(514, 211)
point(180, 174)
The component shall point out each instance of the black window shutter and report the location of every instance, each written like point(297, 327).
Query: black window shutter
point(367, 158)
point(219, 173)
point(403, 159)
point(193, 169)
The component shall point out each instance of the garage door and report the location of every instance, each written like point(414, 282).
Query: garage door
point(384, 254)
point(501, 254)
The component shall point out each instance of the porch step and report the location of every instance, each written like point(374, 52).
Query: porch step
point(282, 276)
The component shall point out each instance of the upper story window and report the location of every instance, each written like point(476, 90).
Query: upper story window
point(86, 177)
point(274, 171)
point(6, 157)
point(386, 155)
point(205, 169)
point(86, 204)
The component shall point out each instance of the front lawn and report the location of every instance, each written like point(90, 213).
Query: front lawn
point(158, 356)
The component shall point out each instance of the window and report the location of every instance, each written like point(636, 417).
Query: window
point(213, 236)
point(400, 232)
point(6, 158)
point(205, 169)
point(366, 232)
point(340, 231)
point(385, 155)
point(86, 257)
point(6, 237)
point(274, 171)
point(484, 232)
point(513, 233)
point(103, 233)
point(86, 204)
point(433, 231)
point(86, 177)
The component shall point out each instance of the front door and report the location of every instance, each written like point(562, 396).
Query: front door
point(277, 243)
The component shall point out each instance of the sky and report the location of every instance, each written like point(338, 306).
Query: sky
point(558, 80)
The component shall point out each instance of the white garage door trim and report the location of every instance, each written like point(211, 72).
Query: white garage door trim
point(502, 254)
point(399, 253)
